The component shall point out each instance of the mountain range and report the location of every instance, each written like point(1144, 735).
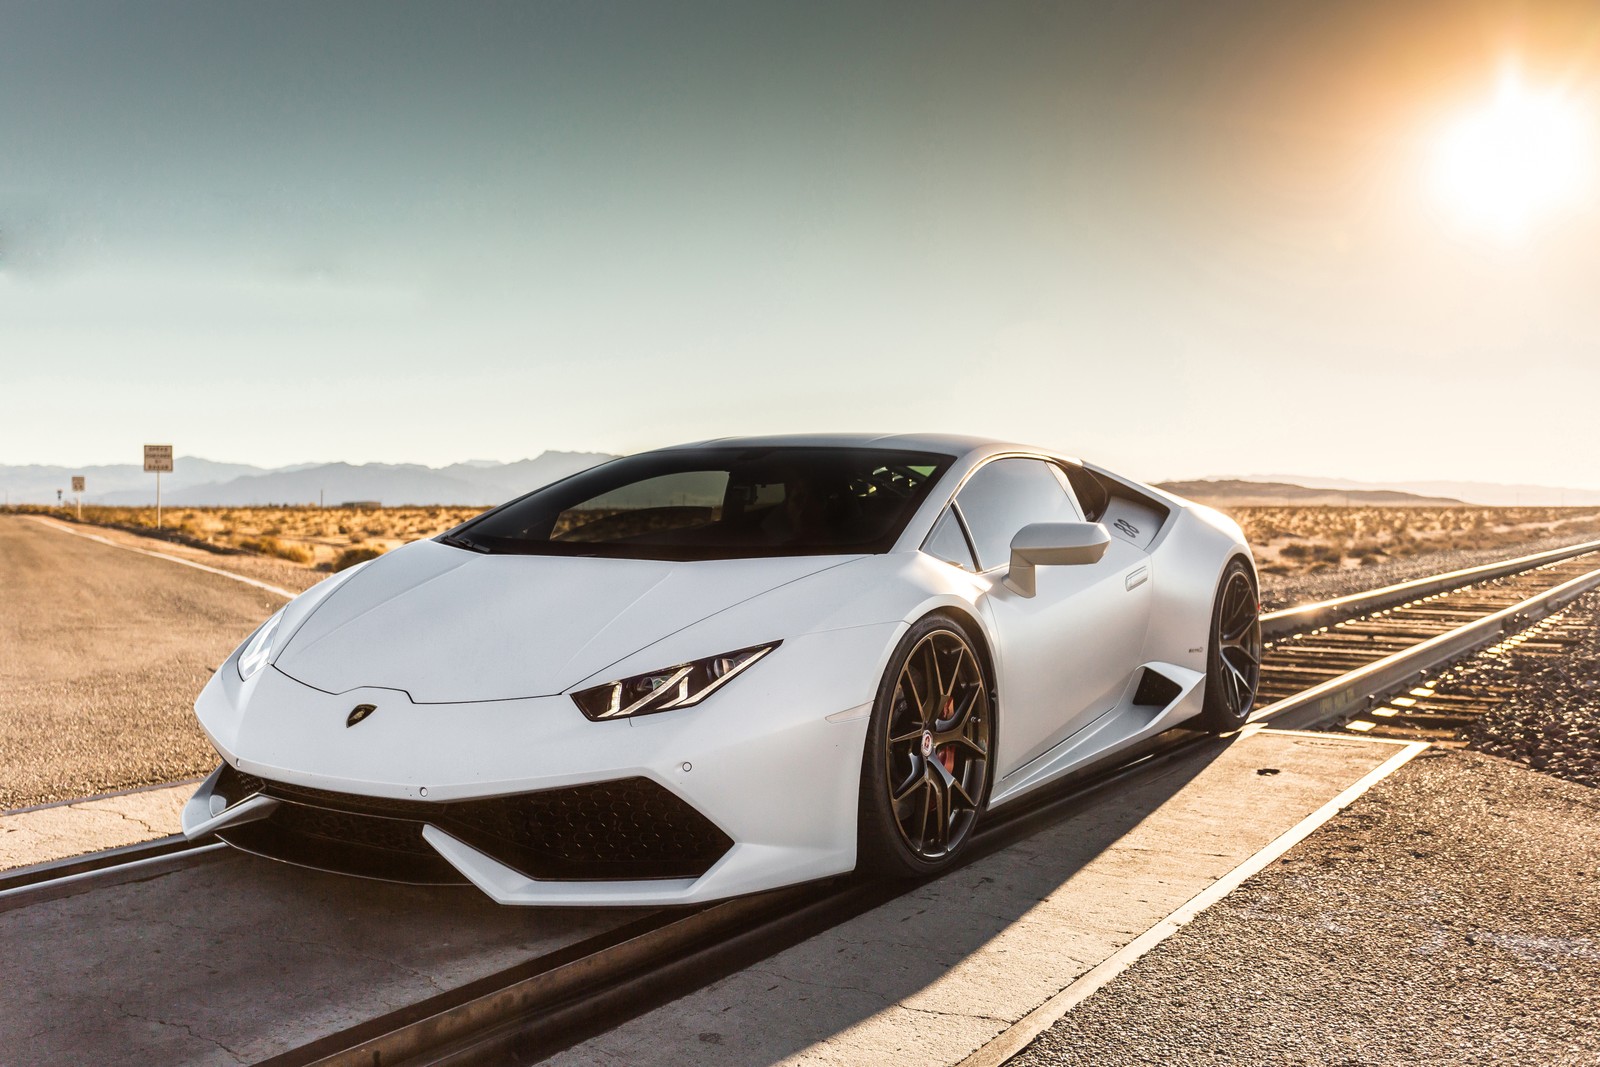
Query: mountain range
point(1238, 492)
point(195, 481)
point(1488, 494)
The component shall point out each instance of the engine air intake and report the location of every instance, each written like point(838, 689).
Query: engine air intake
point(626, 829)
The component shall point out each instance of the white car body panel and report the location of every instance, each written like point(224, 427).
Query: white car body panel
point(470, 661)
point(574, 612)
point(1065, 655)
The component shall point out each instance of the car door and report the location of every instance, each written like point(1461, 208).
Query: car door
point(1064, 655)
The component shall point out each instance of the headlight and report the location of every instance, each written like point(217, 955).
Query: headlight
point(256, 651)
point(682, 686)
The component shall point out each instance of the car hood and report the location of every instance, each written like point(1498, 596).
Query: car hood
point(448, 625)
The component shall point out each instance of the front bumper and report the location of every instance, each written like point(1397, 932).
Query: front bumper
point(626, 830)
point(535, 804)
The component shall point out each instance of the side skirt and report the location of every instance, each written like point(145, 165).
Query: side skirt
point(1119, 727)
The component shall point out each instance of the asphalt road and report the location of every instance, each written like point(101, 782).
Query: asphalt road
point(102, 651)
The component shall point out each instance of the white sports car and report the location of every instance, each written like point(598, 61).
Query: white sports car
point(728, 666)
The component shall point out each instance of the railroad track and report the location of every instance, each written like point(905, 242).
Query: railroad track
point(1357, 656)
point(1300, 661)
point(1342, 668)
point(539, 1007)
point(1444, 709)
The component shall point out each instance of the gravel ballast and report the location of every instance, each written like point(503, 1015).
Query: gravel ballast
point(1551, 721)
point(1449, 916)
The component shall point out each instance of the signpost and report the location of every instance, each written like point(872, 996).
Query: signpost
point(77, 490)
point(158, 458)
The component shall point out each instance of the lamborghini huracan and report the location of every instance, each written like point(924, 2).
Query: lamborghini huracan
point(728, 666)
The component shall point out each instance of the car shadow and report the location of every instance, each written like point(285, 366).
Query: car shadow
point(263, 958)
point(1031, 914)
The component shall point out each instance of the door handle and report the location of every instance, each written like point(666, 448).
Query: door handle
point(1138, 577)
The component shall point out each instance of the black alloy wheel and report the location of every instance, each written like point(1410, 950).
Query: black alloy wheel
point(925, 775)
point(1233, 658)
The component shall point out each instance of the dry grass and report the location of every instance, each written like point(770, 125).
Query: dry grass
point(1287, 540)
point(325, 538)
point(1302, 540)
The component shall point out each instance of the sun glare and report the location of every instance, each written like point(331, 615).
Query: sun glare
point(1519, 159)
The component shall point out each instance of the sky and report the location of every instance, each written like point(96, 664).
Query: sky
point(1178, 239)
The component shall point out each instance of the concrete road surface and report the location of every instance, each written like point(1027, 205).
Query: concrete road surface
point(102, 651)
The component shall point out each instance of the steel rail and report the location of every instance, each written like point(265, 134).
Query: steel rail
point(1365, 686)
point(46, 881)
point(1303, 617)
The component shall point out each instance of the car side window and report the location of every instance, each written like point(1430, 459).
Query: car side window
point(1007, 495)
point(949, 543)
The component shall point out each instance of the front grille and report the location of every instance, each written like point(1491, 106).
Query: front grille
point(233, 785)
point(630, 828)
point(629, 824)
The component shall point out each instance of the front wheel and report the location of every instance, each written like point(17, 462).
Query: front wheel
point(925, 773)
point(1233, 654)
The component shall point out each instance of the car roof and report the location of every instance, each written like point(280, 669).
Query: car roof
point(950, 444)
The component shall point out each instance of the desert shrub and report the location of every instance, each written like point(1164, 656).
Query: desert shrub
point(351, 556)
point(1295, 550)
point(271, 546)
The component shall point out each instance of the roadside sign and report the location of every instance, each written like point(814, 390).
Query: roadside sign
point(77, 483)
point(158, 458)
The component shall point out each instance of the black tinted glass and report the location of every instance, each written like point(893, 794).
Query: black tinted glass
point(1004, 497)
point(716, 503)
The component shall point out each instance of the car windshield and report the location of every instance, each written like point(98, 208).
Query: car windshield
point(716, 503)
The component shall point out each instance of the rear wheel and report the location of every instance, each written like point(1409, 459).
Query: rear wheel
point(925, 772)
point(1233, 657)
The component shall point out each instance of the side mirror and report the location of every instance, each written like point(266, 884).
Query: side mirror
point(1052, 544)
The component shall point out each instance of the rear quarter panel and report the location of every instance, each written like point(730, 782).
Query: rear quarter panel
point(1186, 566)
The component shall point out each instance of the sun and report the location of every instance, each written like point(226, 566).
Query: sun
point(1516, 161)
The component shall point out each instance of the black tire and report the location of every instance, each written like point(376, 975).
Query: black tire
point(926, 770)
point(1233, 650)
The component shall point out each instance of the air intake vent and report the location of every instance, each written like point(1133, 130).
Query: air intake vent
point(630, 828)
point(1156, 690)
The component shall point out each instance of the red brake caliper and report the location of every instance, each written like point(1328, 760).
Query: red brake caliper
point(947, 753)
